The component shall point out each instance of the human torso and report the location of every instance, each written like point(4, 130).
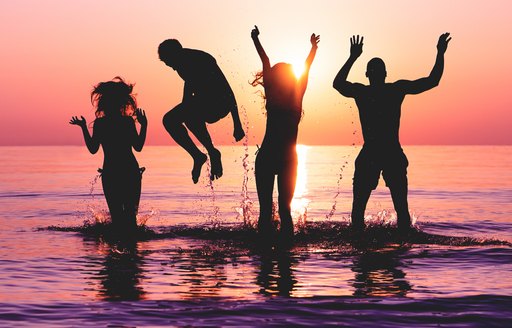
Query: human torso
point(284, 111)
point(379, 113)
point(116, 138)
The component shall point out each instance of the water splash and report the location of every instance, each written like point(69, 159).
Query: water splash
point(213, 218)
point(244, 210)
point(97, 215)
point(326, 235)
point(338, 191)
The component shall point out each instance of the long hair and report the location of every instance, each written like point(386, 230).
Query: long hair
point(283, 79)
point(113, 98)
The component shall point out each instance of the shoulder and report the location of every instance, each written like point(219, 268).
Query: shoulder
point(200, 54)
point(400, 84)
point(359, 88)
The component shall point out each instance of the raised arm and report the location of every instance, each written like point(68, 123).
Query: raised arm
point(314, 39)
point(259, 48)
point(140, 138)
point(340, 82)
point(91, 142)
point(431, 81)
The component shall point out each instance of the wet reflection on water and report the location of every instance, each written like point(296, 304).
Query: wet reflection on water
point(119, 271)
point(379, 273)
point(275, 276)
point(200, 262)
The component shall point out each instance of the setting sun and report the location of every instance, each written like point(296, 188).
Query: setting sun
point(298, 69)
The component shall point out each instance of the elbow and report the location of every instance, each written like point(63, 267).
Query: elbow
point(338, 87)
point(434, 83)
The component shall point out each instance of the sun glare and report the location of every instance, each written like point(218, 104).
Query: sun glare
point(300, 201)
point(298, 69)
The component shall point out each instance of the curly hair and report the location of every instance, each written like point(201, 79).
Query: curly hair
point(113, 98)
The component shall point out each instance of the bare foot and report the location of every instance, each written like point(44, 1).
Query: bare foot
point(198, 164)
point(216, 164)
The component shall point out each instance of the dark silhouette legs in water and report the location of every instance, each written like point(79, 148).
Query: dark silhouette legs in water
point(265, 187)
point(286, 187)
point(286, 179)
point(399, 196)
point(122, 192)
point(174, 122)
point(360, 199)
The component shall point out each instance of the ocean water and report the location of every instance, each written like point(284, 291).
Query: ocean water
point(199, 264)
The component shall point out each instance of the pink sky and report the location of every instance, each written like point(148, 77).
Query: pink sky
point(53, 52)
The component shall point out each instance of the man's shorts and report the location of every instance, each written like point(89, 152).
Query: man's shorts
point(369, 165)
point(212, 109)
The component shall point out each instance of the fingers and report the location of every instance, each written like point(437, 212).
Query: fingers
point(356, 40)
point(75, 120)
point(445, 37)
point(255, 31)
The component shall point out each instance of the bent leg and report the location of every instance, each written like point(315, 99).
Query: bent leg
point(199, 129)
point(173, 123)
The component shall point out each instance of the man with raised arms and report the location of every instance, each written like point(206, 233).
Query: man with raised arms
point(379, 105)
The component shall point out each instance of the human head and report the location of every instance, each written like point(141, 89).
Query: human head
point(283, 76)
point(376, 70)
point(168, 51)
point(113, 98)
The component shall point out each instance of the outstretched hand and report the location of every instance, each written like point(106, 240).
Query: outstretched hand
point(442, 44)
point(314, 39)
point(255, 32)
point(76, 121)
point(356, 46)
point(141, 116)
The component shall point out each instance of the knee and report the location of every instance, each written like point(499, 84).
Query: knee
point(172, 118)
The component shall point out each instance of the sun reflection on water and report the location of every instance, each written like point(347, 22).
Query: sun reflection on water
point(300, 201)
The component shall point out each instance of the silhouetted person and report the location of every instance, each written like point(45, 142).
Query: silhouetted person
point(277, 155)
point(207, 97)
point(114, 129)
point(379, 107)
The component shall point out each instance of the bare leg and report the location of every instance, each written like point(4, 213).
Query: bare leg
point(361, 196)
point(114, 200)
point(173, 123)
point(286, 187)
point(131, 200)
point(199, 129)
point(399, 196)
point(265, 187)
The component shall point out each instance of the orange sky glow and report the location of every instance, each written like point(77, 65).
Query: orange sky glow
point(54, 51)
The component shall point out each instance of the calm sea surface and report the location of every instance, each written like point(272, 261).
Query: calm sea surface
point(199, 265)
